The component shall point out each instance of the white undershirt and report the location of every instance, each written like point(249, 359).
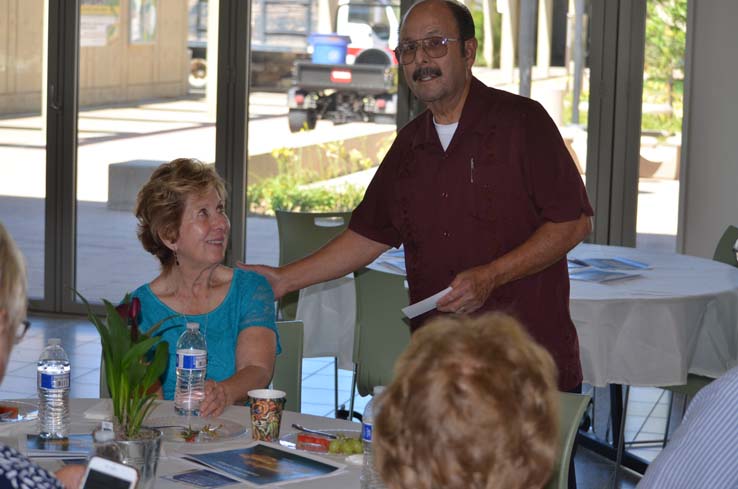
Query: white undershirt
point(445, 132)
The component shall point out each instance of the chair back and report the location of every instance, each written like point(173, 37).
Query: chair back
point(300, 234)
point(288, 366)
point(571, 409)
point(725, 252)
point(380, 334)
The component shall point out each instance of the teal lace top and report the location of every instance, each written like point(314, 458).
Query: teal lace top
point(249, 302)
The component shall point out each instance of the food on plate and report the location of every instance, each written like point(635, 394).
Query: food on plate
point(8, 412)
point(191, 435)
point(345, 445)
point(312, 443)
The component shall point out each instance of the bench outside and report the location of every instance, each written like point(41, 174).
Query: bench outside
point(125, 179)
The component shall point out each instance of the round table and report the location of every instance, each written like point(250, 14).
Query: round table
point(87, 413)
point(678, 317)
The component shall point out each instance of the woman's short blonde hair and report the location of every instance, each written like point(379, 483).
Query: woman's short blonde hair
point(13, 282)
point(474, 405)
point(161, 202)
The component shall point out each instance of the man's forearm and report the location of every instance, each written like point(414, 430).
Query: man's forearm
point(344, 254)
point(545, 247)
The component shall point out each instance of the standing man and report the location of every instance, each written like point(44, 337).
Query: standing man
point(480, 189)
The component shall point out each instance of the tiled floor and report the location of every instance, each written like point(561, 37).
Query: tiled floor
point(647, 409)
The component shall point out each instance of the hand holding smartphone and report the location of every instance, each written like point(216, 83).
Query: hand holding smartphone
point(102, 473)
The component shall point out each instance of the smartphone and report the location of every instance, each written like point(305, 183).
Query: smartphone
point(105, 474)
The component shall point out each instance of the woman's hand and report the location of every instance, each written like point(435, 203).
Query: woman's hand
point(216, 399)
point(71, 476)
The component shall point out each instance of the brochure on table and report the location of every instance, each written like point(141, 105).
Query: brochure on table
point(258, 464)
point(604, 269)
point(77, 444)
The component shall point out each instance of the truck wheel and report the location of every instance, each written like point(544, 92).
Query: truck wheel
point(301, 118)
point(198, 73)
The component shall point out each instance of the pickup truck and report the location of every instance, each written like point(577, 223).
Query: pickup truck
point(364, 91)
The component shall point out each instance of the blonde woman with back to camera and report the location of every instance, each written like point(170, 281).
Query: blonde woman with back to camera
point(474, 405)
point(15, 469)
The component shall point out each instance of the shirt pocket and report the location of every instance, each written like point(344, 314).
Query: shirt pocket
point(484, 193)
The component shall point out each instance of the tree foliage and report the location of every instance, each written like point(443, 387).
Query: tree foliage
point(666, 27)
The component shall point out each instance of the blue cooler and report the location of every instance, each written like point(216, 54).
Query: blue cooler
point(329, 48)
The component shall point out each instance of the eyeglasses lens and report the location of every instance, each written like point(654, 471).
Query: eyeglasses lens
point(435, 47)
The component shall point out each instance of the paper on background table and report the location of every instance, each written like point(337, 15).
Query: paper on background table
point(427, 304)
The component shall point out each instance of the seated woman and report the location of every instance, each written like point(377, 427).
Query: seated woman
point(474, 405)
point(182, 221)
point(15, 469)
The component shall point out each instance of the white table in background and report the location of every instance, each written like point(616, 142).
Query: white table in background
point(168, 464)
point(679, 317)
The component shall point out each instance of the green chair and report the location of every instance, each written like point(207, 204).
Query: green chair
point(571, 409)
point(726, 251)
point(300, 234)
point(288, 366)
point(380, 334)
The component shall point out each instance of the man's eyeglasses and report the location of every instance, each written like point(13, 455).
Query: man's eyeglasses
point(20, 330)
point(435, 47)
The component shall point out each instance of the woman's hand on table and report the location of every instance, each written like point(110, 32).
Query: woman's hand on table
point(216, 399)
point(71, 476)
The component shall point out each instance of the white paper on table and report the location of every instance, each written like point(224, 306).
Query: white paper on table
point(427, 304)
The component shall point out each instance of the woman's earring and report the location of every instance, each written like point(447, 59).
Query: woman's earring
point(176, 259)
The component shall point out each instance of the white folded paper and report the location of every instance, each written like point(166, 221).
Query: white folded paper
point(101, 410)
point(428, 304)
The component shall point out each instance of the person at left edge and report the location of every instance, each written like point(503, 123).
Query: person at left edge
point(182, 221)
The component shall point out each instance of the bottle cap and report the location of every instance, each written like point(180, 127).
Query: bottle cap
point(193, 326)
point(54, 341)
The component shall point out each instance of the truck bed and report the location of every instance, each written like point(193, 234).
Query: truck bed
point(366, 78)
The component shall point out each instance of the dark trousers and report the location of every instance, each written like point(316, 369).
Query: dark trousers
point(572, 472)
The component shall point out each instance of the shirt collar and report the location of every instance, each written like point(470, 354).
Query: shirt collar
point(470, 114)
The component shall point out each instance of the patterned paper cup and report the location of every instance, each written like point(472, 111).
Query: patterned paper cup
point(266, 413)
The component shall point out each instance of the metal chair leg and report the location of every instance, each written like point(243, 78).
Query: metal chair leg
point(621, 439)
point(335, 385)
point(353, 394)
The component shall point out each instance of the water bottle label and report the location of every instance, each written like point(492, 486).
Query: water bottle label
point(54, 381)
point(366, 432)
point(192, 359)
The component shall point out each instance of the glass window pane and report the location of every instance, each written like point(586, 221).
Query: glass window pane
point(661, 124)
point(139, 107)
point(22, 133)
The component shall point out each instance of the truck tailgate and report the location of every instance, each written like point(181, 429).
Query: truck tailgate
point(369, 79)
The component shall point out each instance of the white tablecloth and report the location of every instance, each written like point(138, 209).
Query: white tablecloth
point(347, 478)
point(681, 316)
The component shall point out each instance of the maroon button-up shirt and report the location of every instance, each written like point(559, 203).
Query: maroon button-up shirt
point(504, 174)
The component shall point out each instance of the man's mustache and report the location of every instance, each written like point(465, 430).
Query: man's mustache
point(426, 71)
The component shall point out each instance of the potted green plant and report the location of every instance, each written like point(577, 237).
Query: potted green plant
point(132, 363)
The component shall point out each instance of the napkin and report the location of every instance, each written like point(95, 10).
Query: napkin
point(427, 304)
point(101, 410)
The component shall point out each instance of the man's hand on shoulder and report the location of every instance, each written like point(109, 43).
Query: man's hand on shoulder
point(471, 288)
point(272, 274)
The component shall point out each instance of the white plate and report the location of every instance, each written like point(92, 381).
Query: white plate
point(289, 440)
point(174, 428)
point(26, 411)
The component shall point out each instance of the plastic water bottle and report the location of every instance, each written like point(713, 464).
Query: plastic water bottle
point(369, 477)
point(192, 363)
point(52, 379)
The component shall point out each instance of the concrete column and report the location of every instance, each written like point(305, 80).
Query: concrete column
point(211, 88)
point(488, 9)
point(327, 15)
point(508, 37)
point(526, 46)
point(545, 33)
